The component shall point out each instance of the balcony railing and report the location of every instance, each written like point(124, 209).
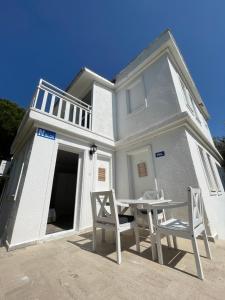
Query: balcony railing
point(61, 105)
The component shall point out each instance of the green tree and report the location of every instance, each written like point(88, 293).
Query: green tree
point(10, 117)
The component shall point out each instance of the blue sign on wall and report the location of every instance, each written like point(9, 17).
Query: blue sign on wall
point(46, 133)
point(160, 154)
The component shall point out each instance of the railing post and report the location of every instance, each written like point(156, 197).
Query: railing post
point(74, 113)
point(90, 120)
point(52, 104)
point(80, 116)
point(85, 119)
point(59, 108)
point(44, 101)
point(67, 111)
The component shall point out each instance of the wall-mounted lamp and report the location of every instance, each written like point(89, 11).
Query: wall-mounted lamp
point(93, 149)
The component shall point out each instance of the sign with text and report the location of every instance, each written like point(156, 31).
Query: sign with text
point(142, 169)
point(46, 133)
point(160, 154)
point(101, 174)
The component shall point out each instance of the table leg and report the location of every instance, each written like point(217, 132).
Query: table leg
point(152, 234)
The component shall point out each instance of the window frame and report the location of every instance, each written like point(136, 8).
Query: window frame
point(210, 175)
point(128, 98)
point(187, 96)
point(190, 103)
point(213, 173)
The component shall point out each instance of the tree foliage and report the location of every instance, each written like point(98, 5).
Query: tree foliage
point(220, 145)
point(10, 117)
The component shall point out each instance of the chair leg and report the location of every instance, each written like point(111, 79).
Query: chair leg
point(168, 241)
point(118, 247)
point(174, 242)
point(207, 249)
point(94, 239)
point(150, 222)
point(152, 237)
point(137, 238)
point(197, 258)
point(159, 248)
point(153, 243)
point(103, 235)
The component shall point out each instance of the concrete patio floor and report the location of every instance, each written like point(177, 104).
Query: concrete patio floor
point(68, 269)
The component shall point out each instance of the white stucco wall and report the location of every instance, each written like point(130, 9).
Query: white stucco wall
point(214, 202)
point(29, 221)
point(103, 110)
point(9, 203)
point(179, 168)
point(31, 202)
point(174, 171)
point(183, 106)
point(160, 99)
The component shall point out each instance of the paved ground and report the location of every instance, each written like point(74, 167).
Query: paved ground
point(67, 269)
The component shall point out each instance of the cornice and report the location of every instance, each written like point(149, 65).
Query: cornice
point(182, 119)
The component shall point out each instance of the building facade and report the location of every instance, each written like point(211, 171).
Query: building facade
point(147, 129)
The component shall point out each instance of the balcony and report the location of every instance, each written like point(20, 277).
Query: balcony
point(56, 103)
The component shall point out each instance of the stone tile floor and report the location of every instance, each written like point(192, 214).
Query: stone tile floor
point(68, 269)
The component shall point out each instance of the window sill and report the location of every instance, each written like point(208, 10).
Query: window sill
point(137, 111)
point(213, 193)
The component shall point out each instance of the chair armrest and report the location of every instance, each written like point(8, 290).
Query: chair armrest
point(169, 205)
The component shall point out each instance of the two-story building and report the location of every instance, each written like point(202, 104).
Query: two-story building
point(146, 129)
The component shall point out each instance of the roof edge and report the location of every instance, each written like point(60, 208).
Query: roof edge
point(95, 76)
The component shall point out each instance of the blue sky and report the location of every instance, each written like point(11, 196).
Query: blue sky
point(53, 39)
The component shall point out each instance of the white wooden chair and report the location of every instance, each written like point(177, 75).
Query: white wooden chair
point(188, 230)
point(105, 216)
point(152, 195)
point(146, 215)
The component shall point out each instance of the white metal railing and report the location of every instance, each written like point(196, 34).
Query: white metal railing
point(53, 101)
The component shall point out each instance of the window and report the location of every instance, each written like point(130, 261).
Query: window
point(221, 174)
point(192, 106)
point(209, 171)
point(197, 113)
point(135, 96)
point(213, 172)
point(188, 98)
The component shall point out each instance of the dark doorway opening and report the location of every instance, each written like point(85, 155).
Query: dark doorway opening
point(62, 203)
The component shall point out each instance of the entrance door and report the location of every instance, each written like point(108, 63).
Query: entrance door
point(103, 173)
point(142, 175)
point(62, 204)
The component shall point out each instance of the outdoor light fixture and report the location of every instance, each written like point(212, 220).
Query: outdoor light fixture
point(93, 149)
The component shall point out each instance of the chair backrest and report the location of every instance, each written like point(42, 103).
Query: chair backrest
point(104, 208)
point(195, 206)
point(151, 195)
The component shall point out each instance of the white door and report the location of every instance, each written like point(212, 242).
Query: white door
point(142, 173)
point(103, 173)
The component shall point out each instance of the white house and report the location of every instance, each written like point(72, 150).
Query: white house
point(150, 129)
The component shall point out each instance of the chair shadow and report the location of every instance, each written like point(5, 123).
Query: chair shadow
point(171, 256)
point(103, 248)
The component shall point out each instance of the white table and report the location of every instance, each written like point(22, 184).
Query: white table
point(147, 202)
point(149, 205)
